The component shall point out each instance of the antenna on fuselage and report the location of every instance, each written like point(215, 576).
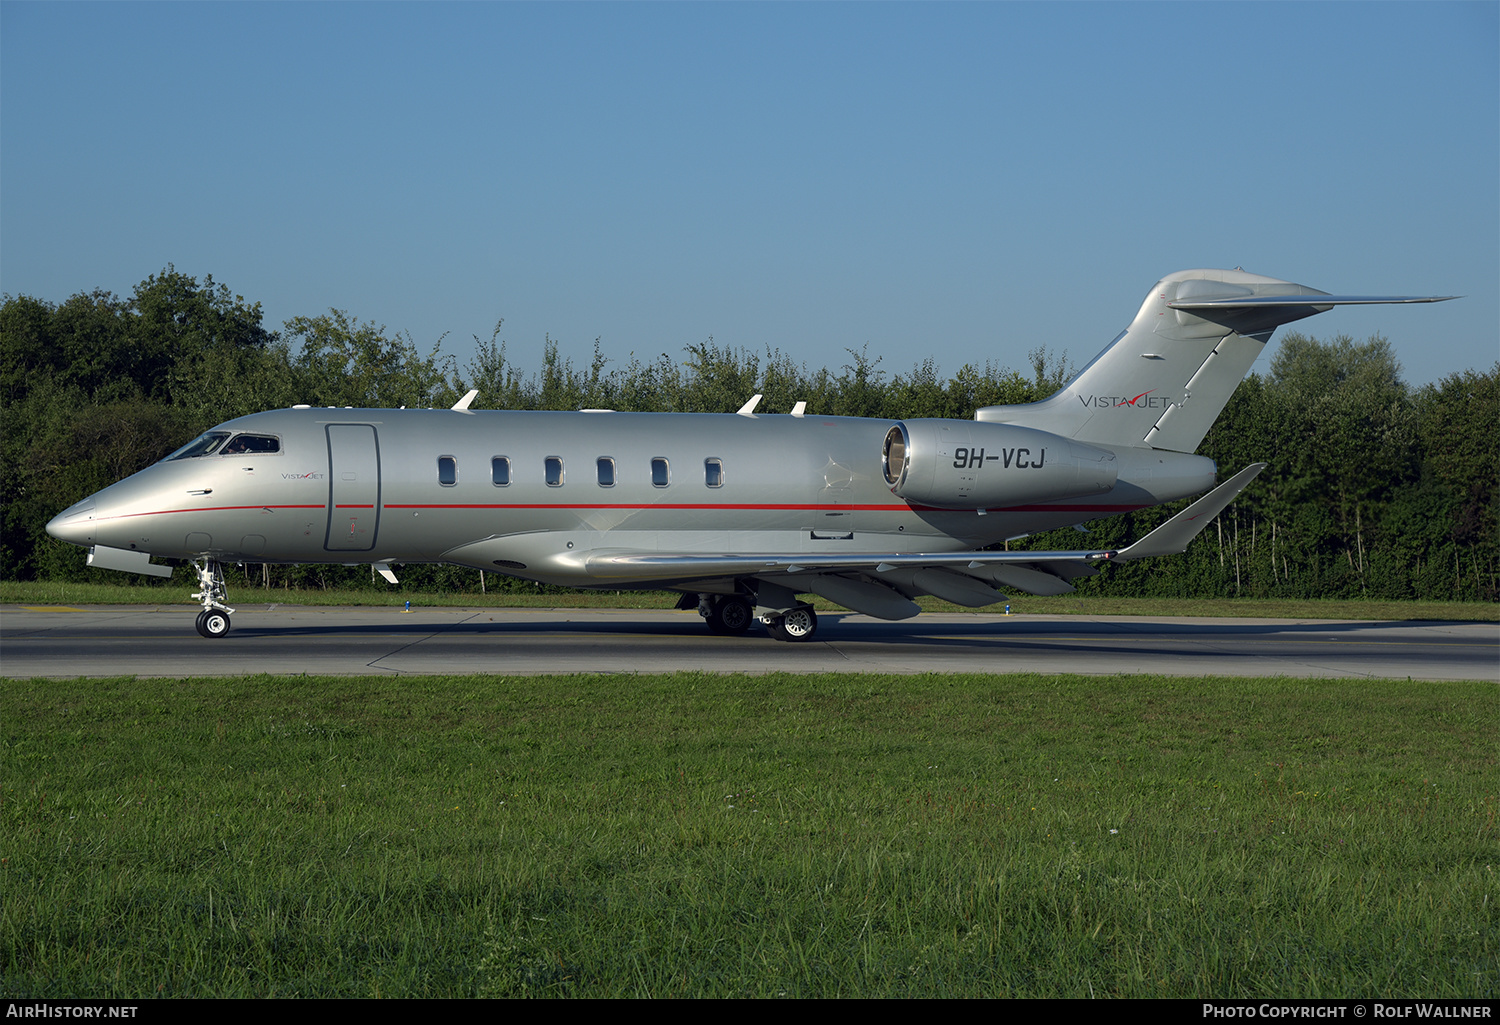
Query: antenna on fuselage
point(462, 405)
point(748, 409)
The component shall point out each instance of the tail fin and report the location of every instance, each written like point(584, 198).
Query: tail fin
point(1166, 378)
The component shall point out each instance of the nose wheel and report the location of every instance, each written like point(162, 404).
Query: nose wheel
point(213, 621)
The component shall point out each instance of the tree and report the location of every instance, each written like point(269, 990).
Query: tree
point(342, 362)
point(98, 387)
point(1456, 421)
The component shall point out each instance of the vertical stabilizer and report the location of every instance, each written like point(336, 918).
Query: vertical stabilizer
point(1166, 378)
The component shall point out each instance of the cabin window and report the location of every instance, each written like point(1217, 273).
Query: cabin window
point(204, 445)
point(554, 471)
point(447, 471)
point(713, 472)
point(661, 474)
point(606, 472)
point(252, 443)
point(500, 471)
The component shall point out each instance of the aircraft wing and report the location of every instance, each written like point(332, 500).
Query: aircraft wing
point(967, 578)
point(636, 566)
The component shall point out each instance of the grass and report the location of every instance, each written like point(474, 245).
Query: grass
point(704, 835)
point(67, 593)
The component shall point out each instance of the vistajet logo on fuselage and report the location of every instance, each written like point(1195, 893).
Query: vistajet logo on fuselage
point(1145, 400)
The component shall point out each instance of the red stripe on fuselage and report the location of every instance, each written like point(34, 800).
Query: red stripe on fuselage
point(765, 507)
point(662, 505)
point(212, 508)
point(673, 506)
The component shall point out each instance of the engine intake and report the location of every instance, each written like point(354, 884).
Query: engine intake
point(969, 464)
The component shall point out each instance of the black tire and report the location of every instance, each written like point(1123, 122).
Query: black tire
point(734, 615)
point(797, 625)
point(213, 623)
point(201, 631)
point(730, 615)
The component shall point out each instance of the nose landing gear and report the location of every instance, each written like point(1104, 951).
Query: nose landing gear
point(213, 621)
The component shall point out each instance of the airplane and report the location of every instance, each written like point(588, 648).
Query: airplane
point(742, 513)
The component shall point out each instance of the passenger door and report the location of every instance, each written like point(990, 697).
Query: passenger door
point(354, 487)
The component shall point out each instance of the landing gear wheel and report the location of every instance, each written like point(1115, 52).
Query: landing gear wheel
point(213, 623)
point(730, 616)
point(797, 625)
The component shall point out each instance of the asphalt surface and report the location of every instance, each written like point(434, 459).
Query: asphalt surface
point(161, 641)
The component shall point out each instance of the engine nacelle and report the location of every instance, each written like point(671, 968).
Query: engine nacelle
point(969, 464)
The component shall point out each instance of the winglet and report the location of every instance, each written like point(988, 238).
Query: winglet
point(1172, 537)
point(462, 405)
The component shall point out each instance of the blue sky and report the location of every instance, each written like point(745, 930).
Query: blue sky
point(958, 181)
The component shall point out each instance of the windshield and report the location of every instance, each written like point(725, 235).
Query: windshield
point(205, 445)
point(214, 444)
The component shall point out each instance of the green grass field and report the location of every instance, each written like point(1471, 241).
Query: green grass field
point(705, 835)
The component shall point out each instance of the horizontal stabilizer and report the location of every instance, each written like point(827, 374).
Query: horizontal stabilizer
point(1172, 537)
point(1250, 302)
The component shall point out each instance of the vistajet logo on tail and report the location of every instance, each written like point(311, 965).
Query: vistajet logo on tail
point(1145, 400)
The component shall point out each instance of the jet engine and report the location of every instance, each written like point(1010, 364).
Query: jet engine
point(970, 464)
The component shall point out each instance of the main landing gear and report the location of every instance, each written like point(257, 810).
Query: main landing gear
point(798, 624)
point(726, 614)
point(213, 621)
point(735, 614)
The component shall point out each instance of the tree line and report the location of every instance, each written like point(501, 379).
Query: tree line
point(1375, 489)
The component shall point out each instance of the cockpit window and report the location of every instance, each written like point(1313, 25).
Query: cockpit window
point(205, 445)
point(252, 443)
point(219, 443)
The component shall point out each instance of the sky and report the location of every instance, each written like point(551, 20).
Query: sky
point(961, 182)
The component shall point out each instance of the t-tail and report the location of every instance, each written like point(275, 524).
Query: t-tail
point(1165, 379)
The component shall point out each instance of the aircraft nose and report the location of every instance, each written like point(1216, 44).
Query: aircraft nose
point(74, 524)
